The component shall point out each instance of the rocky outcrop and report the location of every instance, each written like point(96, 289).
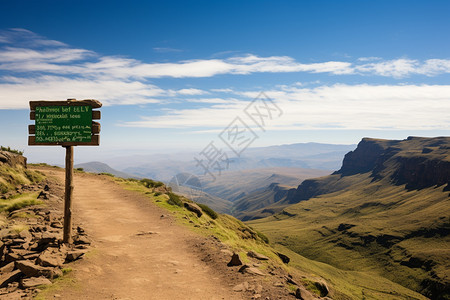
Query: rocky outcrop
point(422, 172)
point(415, 162)
point(12, 159)
point(36, 254)
point(365, 157)
point(194, 208)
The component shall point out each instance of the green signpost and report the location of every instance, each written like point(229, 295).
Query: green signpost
point(68, 124)
point(63, 124)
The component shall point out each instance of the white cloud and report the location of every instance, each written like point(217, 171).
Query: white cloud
point(371, 58)
point(32, 53)
point(191, 92)
point(394, 68)
point(36, 65)
point(337, 106)
point(227, 90)
point(16, 92)
point(213, 100)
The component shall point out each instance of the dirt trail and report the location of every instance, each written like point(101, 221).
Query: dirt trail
point(124, 265)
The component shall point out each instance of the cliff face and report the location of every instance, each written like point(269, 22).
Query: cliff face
point(415, 162)
point(367, 156)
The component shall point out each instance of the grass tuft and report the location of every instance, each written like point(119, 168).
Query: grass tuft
point(107, 174)
point(174, 199)
point(8, 149)
point(149, 183)
point(208, 210)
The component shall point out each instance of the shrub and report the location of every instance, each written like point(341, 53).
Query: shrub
point(107, 174)
point(11, 150)
point(174, 199)
point(80, 169)
point(157, 194)
point(208, 210)
point(149, 183)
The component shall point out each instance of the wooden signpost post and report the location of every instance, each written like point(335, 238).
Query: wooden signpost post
point(65, 123)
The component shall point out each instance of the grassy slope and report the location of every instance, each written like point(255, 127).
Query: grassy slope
point(345, 284)
point(231, 186)
point(11, 177)
point(260, 204)
point(372, 226)
point(312, 228)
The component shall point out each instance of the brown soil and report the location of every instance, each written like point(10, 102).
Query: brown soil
point(167, 262)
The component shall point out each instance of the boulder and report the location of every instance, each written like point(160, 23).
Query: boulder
point(302, 293)
point(284, 258)
point(74, 255)
point(235, 260)
point(257, 255)
point(10, 277)
point(26, 235)
point(32, 270)
point(242, 287)
point(44, 195)
point(7, 268)
point(194, 208)
point(12, 159)
point(50, 259)
point(253, 271)
point(34, 281)
point(56, 224)
point(81, 239)
point(322, 287)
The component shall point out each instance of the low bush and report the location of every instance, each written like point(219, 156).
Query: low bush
point(149, 183)
point(107, 174)
point(208, 210)
point(174, 199)
point(11, 150)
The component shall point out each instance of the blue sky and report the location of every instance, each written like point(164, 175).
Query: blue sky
point(173, 75)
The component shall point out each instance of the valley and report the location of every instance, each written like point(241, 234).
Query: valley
point(386, 210)
point(377, 228)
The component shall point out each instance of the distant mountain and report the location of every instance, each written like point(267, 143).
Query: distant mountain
point(262, 202)
point(99, 167)
point(234, 185)
point(386, 210)
point(303, 155)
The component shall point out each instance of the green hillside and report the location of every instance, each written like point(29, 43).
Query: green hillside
point(386, 211)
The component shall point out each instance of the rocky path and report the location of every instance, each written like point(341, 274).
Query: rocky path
point(137, 253)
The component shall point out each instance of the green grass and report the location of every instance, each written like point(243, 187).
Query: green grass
point(107, 174)
point(347, 284)
point(19, 201)
point(241, 238)
point(209, 211)
point(372, 209)
point(232, 232)
point(8, 149)
point(65, 282)
point(149, 183)
point(11, 177)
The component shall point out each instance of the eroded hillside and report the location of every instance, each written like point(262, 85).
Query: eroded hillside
point(386, 210)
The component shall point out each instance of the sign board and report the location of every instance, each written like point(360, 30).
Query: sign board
point(64, 123)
